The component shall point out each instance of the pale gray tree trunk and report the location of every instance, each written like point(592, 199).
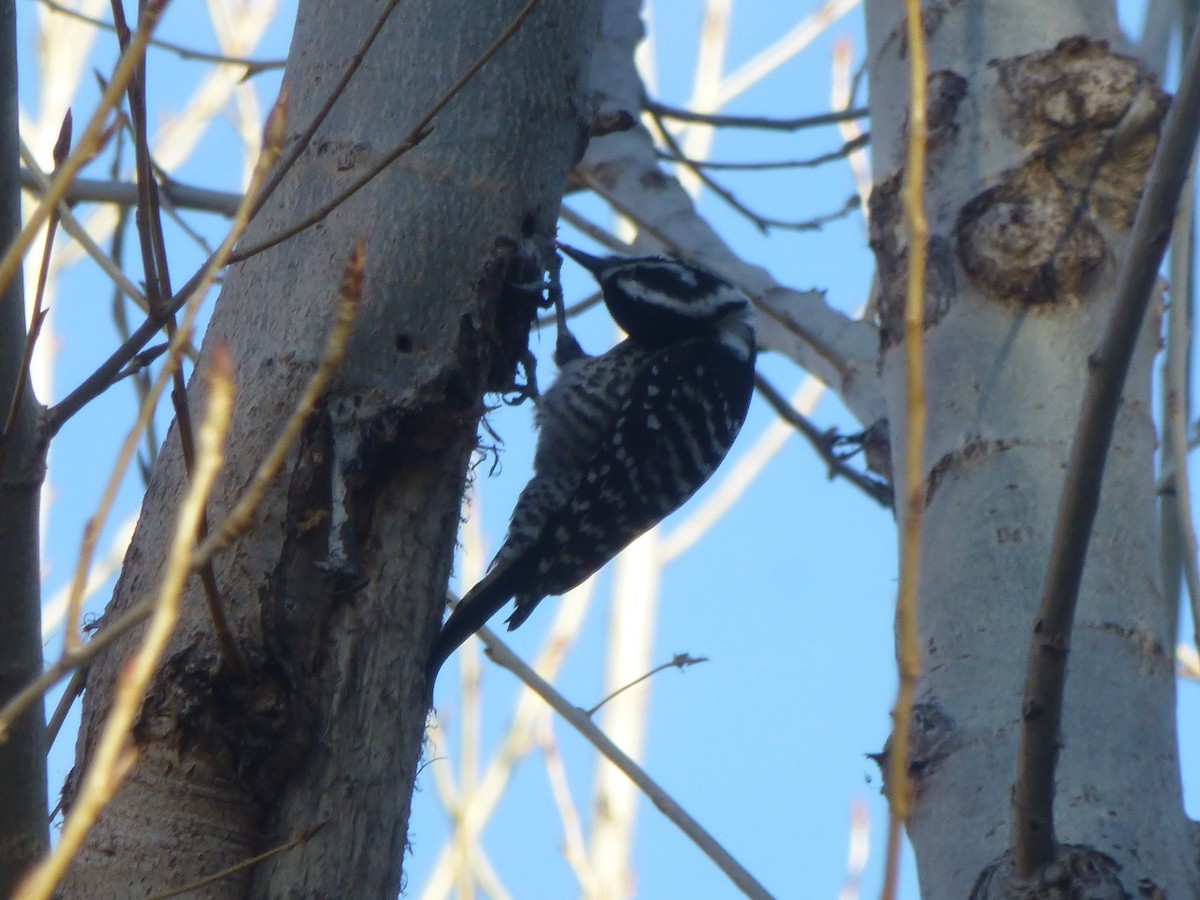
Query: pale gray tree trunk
point(1034, 174)
point(326, 729)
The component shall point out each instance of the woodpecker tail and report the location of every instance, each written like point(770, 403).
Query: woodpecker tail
point(480, 603)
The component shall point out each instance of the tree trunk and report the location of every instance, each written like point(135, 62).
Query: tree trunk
point(326, 729)
point(24, 826)
point(1030, 200)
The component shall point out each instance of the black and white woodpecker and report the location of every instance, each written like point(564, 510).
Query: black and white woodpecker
point(624, 438)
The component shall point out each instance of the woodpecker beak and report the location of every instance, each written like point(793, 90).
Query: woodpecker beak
point(593, 264)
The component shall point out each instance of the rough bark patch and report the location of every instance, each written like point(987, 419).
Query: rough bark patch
point(972, 452)
point(1077, 873)
point(1089, 119)
point(1027, 239)
point(1081, 85)
point(891, 258)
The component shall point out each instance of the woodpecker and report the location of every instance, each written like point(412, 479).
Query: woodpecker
point(625, 438)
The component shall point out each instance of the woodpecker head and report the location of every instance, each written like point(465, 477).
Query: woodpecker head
point(658, 300)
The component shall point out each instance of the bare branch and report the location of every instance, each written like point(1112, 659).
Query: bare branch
point(91, 140)
point(845, 150)
point(500, 652)
point(823, 442)
point(680, 661)
point(686, 115)
point(124, 193)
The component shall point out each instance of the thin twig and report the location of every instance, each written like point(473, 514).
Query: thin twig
point(37, 316)
point(605, 238)
point(762, 223)
point(110, 370)
point(157, 274)
point(686, 115)
point(681, 661)
point(89, 142)
point(908, 661)
point(69, 662)
point(841, 96)
point(70, 694)
point(173, 360)
point(1175, 374)
point(414, 137)
point(241, 517)
point(302, 838)
point(823, 443)
point(114, 753)
point(576, 717)
point(1034, 837)
point(73, 227)
point(575, 309)
point(842, 152)
point(252, 66)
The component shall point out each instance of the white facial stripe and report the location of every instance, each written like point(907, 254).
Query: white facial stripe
point(695, 306)
point(739, 338)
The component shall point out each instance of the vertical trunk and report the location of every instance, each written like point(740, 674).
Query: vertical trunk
point(1030, 201)
point(24, 832)
point(326, 729)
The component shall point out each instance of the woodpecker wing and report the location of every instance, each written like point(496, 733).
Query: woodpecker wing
point(673, 427)
point(574, 415)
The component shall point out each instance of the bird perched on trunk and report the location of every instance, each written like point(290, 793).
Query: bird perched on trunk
point(625, 438)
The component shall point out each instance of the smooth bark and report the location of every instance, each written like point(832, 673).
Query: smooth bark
point(335, 614)
point(1034, 175)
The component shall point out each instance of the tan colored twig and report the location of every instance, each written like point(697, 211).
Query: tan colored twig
point(89, 142)
point(114, 753)
point(81, 655)
point(252, 66)
point(241, 517)
point(911, 504)
point(73, 227)
point(274, 132)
